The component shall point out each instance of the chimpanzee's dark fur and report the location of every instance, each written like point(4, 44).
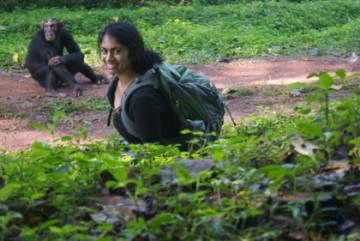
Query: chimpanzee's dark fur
point(52, 76)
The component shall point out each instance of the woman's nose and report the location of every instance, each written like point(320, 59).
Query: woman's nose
point(108, 56)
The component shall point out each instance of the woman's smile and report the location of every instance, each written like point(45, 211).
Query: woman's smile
point(110, 66)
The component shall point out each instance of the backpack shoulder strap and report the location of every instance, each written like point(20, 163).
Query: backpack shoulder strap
point(148, 79)
point(111, 96)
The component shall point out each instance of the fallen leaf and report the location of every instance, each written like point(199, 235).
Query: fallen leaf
point(15, 57)
point(118, 210)
point(303, 147)
point(195, 166)
point(336, 87)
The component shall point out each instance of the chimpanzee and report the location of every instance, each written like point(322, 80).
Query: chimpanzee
point(48, 65)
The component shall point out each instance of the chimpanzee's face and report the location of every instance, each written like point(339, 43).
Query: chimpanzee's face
point(50, 30)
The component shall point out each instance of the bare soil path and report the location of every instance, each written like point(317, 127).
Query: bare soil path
point(22, 99)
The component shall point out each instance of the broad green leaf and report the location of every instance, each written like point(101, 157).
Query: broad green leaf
point(79, 156)
point(313, 74)
point(37, 195)
point(303, 110)
point(309, 129)
point(341, 73)
point(311, 98)
point(104, 227)
point(185, 131)
point(184, 176)
point(51, 126)
point(296, 85)
point(204, 174)
point(275, 172)
point(46, 224)
point(163, 218)
point(81, 236)
point(40, 149)
point(58, 114)
point(120, 174)
point(27, 233)
point(136, 225)
point(38, 126)
point(8, 191)
point(209, 212)
point(110, 184)
point(104, 239)
point(326, 81)
point(66, 138)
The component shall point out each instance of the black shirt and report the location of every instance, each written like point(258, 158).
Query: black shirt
point(153, 115)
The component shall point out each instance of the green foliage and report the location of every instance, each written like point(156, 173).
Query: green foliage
point(76, 105)
point(257, 28)
point(52, 125)
point(10, 5)
point(262, 185)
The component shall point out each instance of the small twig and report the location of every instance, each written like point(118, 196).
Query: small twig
point(230, 115)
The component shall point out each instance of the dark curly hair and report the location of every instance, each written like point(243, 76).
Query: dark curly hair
point(141, 59)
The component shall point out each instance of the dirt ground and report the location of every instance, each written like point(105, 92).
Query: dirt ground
point(20, 95)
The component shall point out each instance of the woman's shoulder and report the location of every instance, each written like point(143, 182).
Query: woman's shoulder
point(146, 91)
point(146, 99)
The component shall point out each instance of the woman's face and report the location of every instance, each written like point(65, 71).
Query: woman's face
point(115, 56)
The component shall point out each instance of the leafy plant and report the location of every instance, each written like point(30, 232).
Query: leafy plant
point(212, 33)
point(79, 105)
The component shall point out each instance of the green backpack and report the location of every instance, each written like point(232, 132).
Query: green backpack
point(195, 100)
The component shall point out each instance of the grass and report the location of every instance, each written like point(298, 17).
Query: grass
point(70, 105)
point(215, 32)
point(258, 188)
point(270, 178)
point(238, 92)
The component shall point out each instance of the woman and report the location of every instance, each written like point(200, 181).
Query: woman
point(123, 53)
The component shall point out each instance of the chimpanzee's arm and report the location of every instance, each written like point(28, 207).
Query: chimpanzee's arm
point(36, 57)
point(75, 55)
point(34, 64)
